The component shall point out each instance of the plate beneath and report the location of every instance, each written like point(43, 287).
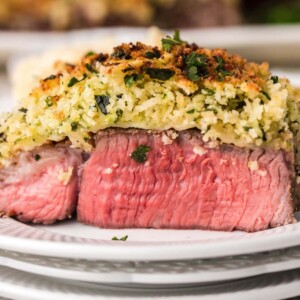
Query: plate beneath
point(75, 240)
point(23, 286)
point(158, 274)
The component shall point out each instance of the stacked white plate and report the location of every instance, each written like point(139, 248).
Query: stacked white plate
point(73, 261)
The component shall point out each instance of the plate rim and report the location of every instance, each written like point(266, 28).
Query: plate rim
point(93, 249)
point(267, 263)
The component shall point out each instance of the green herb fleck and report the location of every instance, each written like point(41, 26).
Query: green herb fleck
point(124, 238)
point(74, 126)
point(208, 91)
point(120, 53)
point(195, 59)
point(90, 68)
point(192, 73)
point(2, 137)
point(168, 42)
point(246, 128)
point(37, 157)
point(86, 138)
point(240, 105)
point(152, 54)
point(90, 53)
point(160, 74)
point(220, 62)
point(23, 110)
point(129, 68)
point(139, 154)
point(266, 94)
point(191, 111)
point(49, 101)
point(74, 80)
point(130, 79)
point(220, 66)
point(275, 79)
point(102, 101)
point(196, 66)
point(50, 77)
point(264, 136)
point(214, 110)
point(119, 112)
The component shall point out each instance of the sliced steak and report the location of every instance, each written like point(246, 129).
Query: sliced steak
point(41, 186)
point(184, 184)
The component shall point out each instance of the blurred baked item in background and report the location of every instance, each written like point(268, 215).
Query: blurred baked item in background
point(65, 14)
point(41, 65)
point(199, 13)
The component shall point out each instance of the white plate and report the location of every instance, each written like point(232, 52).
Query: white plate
point(162, 273)
point(74, 240)
point(23, 286)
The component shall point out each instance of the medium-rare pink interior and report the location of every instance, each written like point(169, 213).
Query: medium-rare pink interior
point(41, 186)
point(145, 179)
point(182, 183)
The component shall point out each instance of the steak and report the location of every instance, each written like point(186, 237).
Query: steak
point(41, 186)
point(146, 179)
point(182, 183)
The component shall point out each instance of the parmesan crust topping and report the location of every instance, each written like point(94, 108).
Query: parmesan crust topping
point(178, 86)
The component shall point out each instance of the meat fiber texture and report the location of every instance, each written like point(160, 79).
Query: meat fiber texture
point(181, 183)
point(42, 186)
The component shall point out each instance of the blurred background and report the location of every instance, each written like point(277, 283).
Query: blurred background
point(74, 14)
point(35, 33)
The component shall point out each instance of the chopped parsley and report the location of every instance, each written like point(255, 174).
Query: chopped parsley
point(90, 53)
point(168, 42)
point(160, 74)
point(74, 126)
point(49, 101)
point(124, 238)
point(119, 112)
point(90, 68)
point(195, 59)
point(2, 137)
point(50, 77)
point(192, 73)
point(220, 66)
point(74, 80)
point(246, 128)
point(120, 53)
point(191, 111)
point(130, 79)
point(37, 157)
point(129, 68)
point(275, 79)
point(102, 101)
point(266, 94)
point(140, 153)
point(152, 54)
point(208, 91)
point(196, 66)
point(23, 110)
